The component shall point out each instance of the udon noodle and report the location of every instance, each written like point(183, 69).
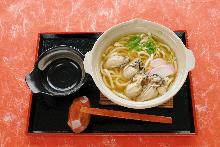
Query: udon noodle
point(138, 67)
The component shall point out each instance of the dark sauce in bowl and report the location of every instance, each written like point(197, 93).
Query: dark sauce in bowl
point(62, 75)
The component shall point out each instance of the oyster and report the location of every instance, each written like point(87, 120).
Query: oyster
point(116, 61)
point(132, 69)
point(147, 93)
point(134, 89)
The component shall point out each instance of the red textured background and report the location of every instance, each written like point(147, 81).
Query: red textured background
point(22, 20)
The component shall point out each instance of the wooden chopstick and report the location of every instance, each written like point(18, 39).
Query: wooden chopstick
point(126, 115)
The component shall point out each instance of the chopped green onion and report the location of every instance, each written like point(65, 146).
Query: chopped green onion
point(150, 46)
point(133, 42)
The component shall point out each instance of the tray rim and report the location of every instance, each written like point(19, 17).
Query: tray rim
point(112, 134)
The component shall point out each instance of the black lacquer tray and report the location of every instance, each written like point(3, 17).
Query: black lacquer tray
point(50, 114)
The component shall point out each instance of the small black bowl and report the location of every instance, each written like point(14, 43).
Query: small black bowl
point(57, 72)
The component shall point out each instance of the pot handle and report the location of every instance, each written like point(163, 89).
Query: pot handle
point(190, 59)
point(87, 62)
point(32, 82)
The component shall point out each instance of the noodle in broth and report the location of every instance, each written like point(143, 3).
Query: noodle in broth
point(138, 67)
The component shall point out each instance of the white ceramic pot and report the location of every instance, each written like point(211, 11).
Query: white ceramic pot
point(185, 59)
